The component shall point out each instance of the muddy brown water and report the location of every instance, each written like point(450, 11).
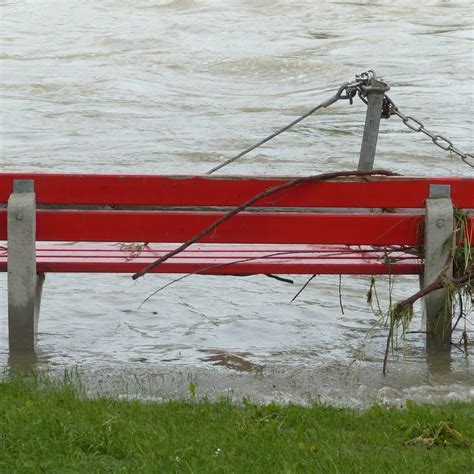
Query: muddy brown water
point(178, 86)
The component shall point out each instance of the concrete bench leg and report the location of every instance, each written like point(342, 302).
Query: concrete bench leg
point(439, 226)
point(24, 285)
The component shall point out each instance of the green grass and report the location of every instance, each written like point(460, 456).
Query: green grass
point(47, 427)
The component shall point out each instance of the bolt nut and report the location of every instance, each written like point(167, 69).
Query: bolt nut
point(19, 217)
point(440, 223)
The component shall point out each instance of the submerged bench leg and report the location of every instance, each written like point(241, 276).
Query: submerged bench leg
point(24, 285)
point(439, 226)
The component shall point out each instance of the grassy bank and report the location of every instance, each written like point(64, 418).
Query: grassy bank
point(52, 429)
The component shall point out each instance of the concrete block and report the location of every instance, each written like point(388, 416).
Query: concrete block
point(24, 286)
point(439, 226)
point(375, 95)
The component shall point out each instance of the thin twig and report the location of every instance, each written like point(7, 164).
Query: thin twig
point(340, 295)
point(303, 287)
point(457, 346)
point(461, 315)
point(387, 347)
point(279, 278)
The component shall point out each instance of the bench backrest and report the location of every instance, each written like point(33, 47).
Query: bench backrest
point(132, 208)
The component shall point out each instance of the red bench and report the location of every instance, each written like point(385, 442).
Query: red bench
point(347, 226)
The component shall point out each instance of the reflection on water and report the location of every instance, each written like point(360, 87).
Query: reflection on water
point(22, 362)
point(440, 363)
point(178, 86)
point(233, 361)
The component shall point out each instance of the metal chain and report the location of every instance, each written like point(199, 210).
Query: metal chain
point(348, 91)
point(389, 108)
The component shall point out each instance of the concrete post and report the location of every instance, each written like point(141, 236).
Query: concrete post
point(374, 93)
point(24, 286)
point(439, 227)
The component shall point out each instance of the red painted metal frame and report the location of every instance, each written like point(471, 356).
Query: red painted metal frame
point(142, 190)
point(224, 259)
point(254, 227)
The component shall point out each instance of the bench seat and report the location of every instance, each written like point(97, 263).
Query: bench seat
point(358, 225)
point(220, 259)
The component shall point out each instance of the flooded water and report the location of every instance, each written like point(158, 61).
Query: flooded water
point(150, 86)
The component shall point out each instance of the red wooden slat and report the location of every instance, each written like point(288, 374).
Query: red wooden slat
point(215, 255)
point(232, 266)
point(103, 249)
point(218, 251)
point(255, 227)
point(403, 192)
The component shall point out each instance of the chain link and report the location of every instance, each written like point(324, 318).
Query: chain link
point(414, 124)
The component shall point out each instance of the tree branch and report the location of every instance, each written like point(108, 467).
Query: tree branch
point(249, 202)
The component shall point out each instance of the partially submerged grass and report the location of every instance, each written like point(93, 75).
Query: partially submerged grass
point(47, 427)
